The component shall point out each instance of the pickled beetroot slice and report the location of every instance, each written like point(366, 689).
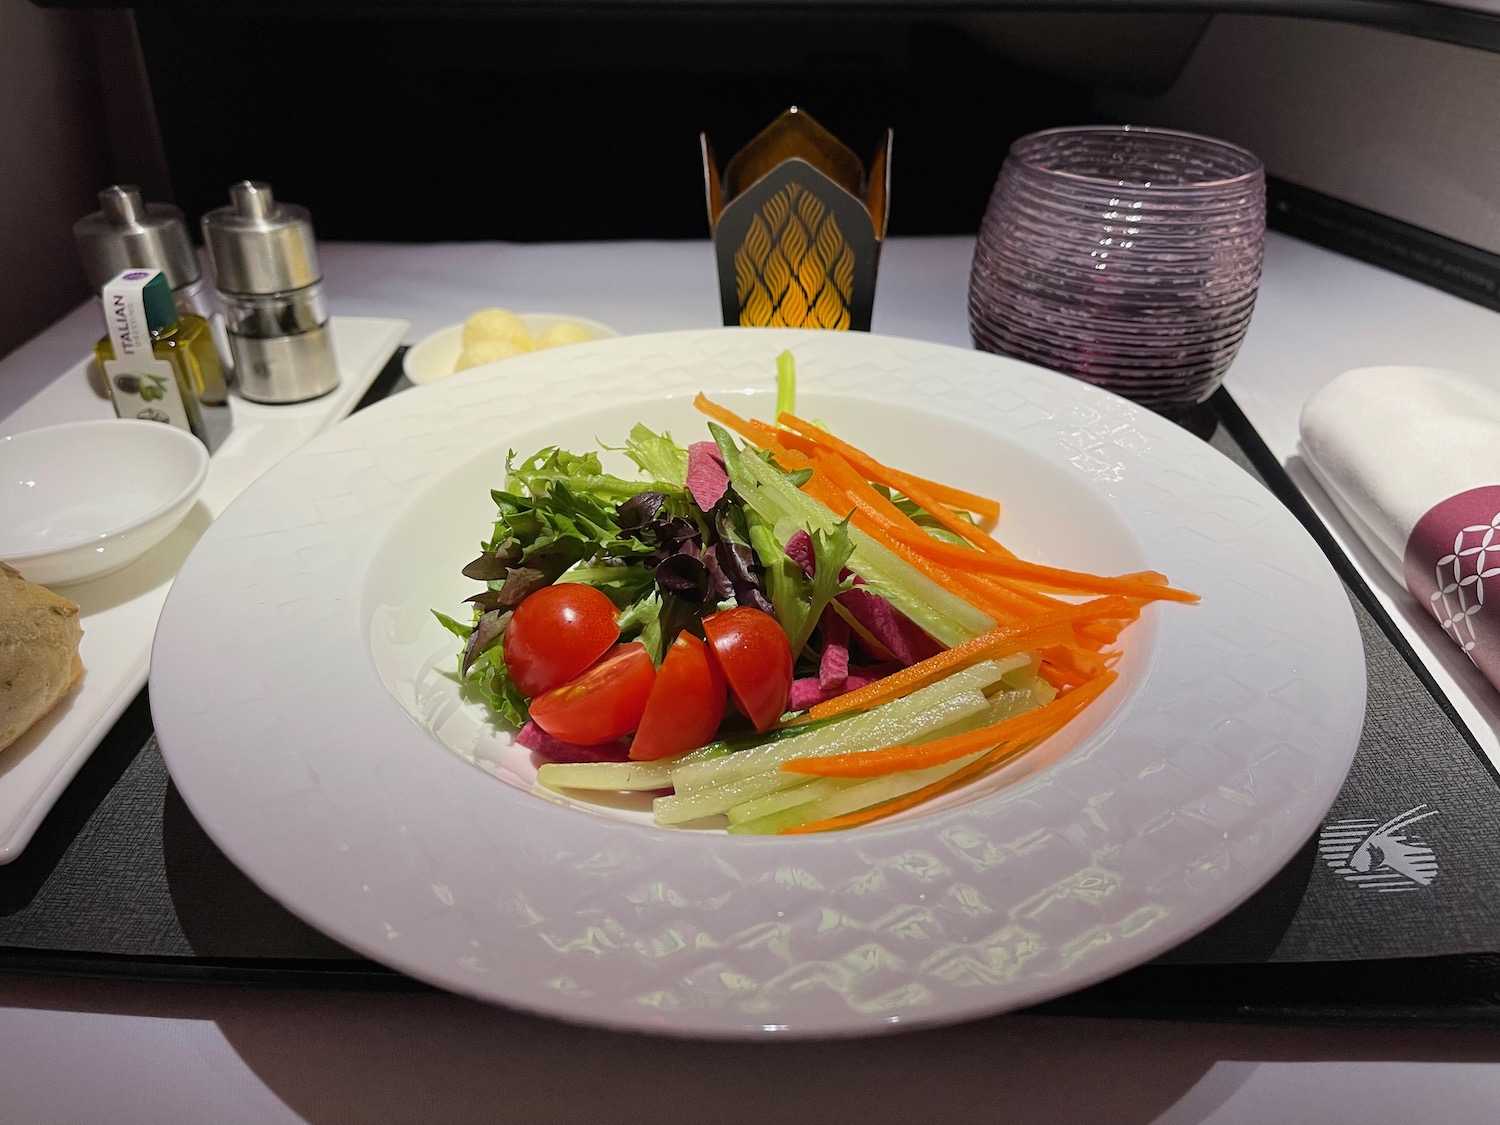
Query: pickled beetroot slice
point(535, 738)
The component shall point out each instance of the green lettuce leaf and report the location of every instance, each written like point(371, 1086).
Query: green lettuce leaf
point(798, 599)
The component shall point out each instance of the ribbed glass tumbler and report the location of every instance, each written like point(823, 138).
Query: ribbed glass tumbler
point(1126, 256)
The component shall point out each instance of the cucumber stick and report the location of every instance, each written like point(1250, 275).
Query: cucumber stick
point(624, 776)
point(786, 798)
point(943, 614)
point(736, 787)
point(639, 776)
point(616, 776)
point(1006, 705)
point(852, 799)
point(885, 725)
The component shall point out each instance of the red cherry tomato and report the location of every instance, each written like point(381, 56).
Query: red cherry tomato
point(555, 633)
point(757, 661)
point(686, 705)
point(604, 703)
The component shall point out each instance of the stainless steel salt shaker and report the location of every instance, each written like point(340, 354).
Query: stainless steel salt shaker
point(127, 233)
point(265, 264)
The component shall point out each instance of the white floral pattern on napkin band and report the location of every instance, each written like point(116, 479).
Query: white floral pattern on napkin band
point(1454, 550)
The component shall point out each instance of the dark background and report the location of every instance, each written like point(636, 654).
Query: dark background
point(498, 126)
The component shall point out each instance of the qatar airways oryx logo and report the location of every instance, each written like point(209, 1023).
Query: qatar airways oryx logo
point(1386, 857)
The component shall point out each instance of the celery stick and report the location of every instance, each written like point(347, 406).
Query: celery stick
point(1003, 706)
point(854, 798)
point(1006, 705)
point(733, 789)
point(1021, 675)
point(885, 725)
point(619, 776)
point(787, 798)
point(944, 615)
point(786, 384)
point(695, 804)
point(637, 776)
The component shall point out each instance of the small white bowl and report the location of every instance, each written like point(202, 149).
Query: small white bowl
point(434, 357)
point(83, 499)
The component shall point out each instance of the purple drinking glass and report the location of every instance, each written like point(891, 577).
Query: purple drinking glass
point(1126, 256)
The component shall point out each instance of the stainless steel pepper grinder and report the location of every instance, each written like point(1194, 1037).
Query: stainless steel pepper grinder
point(265, 264)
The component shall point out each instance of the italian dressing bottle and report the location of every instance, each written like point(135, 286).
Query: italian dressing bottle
point(155, 362)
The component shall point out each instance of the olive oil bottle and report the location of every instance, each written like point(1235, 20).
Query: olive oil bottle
point(160, 366)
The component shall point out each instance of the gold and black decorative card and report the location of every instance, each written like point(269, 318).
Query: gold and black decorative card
point(797, 227)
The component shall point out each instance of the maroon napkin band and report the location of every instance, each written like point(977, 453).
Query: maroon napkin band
point(1452, 554)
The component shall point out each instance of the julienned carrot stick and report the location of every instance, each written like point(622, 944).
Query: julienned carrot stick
point(901, 804)
point(940, 494)
point(1044, 628)
point(911, 800)
point(1129, 586)
point(1082, 663)
point(854, 484)
point(748, 428)
point(830, 495)
point(1035, 724)
point(833, 494)
point(862, 467)
point(788, 459)
point(1012, 589)
point(901, 527)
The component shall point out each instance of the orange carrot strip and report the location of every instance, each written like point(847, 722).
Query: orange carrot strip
point(911, 800)
point(1015, 637)
point(874, 512)
point(898, 804)
point(854, 484)
point(823, 489)
point(830, 495)
point(1130, 586)
point(1085, 665)
point(1019, 591)
point(789, 459)
point(757, 432)
point(1054, 675)
point(1037, 723)
point(901, 804)
point(932, 495)
point(1105, 631)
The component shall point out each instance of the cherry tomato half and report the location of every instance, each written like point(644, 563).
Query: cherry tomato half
point(686, 705)
point(555, 633)
point(604, 703)
point(756, 659)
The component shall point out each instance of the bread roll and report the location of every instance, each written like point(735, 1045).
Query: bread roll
point(39, 635)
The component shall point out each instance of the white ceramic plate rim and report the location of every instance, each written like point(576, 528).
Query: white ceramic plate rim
point(304, 770)
point(148, 431)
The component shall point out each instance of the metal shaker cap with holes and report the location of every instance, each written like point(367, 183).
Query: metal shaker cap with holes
point(265, 263)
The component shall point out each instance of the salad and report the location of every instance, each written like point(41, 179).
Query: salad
point(771, 626)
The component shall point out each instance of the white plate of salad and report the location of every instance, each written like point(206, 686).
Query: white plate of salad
point(642, 684)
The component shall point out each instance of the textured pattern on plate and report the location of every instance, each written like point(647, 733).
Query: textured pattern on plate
point(304, 770)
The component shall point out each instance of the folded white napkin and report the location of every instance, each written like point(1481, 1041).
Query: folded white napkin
point(1411, 456)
